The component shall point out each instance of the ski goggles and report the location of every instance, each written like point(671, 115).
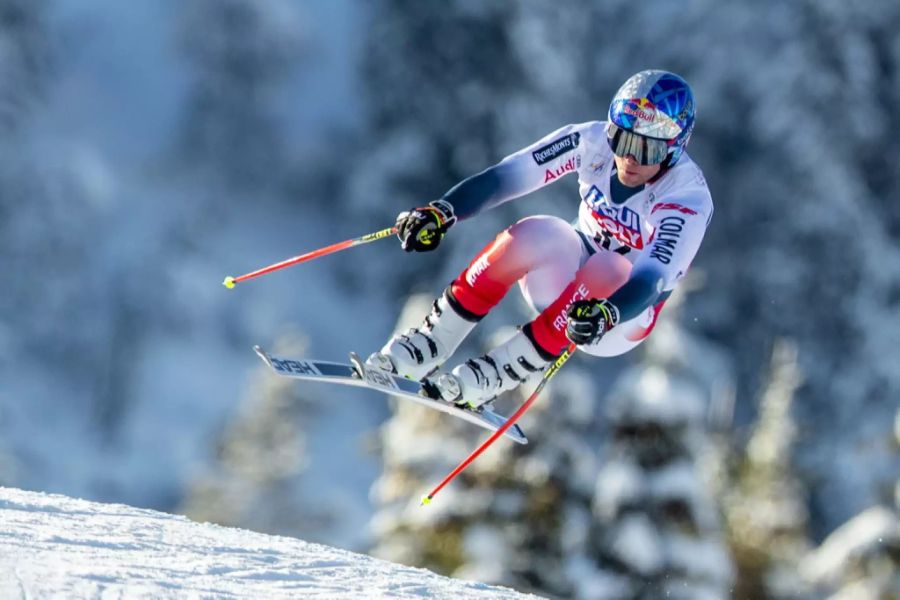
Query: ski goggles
point(645, 150)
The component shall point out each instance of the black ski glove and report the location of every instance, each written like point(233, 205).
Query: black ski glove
point(421, 229)
point(588, 320)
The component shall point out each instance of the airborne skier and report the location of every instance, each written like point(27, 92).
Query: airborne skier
point(599, 282)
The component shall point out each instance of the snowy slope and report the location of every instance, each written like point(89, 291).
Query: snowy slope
point(55, 546)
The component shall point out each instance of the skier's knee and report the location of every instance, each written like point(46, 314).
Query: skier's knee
point(604, 273)
point(542, 232)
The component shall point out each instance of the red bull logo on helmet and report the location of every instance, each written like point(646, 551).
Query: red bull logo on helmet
point(640, 108)
point(641, 116)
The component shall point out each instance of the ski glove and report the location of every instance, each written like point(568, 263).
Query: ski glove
point(421, 229)
point(588, 320)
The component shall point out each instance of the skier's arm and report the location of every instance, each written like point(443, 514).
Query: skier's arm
point(588, 320)
point(641, 291)
point(518, 174)
point(678, 232)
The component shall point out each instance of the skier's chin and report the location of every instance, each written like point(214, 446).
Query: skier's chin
point(633, 174)
point(631, 179)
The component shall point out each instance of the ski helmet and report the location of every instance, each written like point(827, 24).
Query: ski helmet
point(651, 118)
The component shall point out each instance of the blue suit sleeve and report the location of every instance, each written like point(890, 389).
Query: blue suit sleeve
point(479, 192)
point(639, 293)
point(679, 225)
point(533, 167)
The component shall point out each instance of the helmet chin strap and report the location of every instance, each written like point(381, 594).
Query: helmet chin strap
point(664, 166)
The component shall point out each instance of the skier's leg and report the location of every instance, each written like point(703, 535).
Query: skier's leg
point(541, 247)
point(419, 351)
point(539, 342)
point(534, 244)
point(600, 276)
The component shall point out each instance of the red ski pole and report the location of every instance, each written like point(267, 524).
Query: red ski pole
point(365, 239)
point(551, 371)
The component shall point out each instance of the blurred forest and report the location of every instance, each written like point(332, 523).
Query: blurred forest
point(748, 449)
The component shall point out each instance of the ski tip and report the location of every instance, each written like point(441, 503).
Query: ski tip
point(262, 354)
point(229, 282)
point(523, 440)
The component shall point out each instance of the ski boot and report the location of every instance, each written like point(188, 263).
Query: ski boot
point(420, 351)
point(480, 380)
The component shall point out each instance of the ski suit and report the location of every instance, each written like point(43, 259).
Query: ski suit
point(629, 245)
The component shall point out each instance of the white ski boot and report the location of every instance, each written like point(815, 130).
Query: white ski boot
point(482, 379)
point(419, 351)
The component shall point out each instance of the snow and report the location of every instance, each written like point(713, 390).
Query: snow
point(637, 543)
point(483, 544)
point(700, 559)
point(54, 546)
point(651, 395)
point(853, 543)
point(597, 584)
point(618, 484)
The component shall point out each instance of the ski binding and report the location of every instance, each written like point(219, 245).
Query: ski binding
point(356, 374)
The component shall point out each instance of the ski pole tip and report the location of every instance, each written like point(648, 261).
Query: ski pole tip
point(229, 282)
point(426, 500)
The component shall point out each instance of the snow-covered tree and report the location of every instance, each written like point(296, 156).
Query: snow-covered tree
point(26, 60)
point(61, 313)
point(241, 52)
point(516, 514)
point(562, 516)
point(472, 91)
point(441, 114)
point(51, 198)
point(860, 559)
point(793, 133)
point(451, 89)
point(765, 503)
point(656, 530)
point(257, 480)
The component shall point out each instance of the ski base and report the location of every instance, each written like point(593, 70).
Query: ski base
point(356, 374)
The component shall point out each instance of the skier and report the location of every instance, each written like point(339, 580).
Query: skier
point(599, 282)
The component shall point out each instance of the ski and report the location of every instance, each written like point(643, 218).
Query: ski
point(356, 374)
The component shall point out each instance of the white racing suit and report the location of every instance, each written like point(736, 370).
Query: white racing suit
point(633, 252)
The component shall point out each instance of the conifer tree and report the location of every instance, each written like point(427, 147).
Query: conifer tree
point(819, 238)
point(240, 51)
point(451, 89)
point(765, 505)
point(518, 513)
point(859, 559)
point(561, 516)
point(800, 246)
point(49, 205)
point(257, 478)
point(26, 61)
point(656, 530)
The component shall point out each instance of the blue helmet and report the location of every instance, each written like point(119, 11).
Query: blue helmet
point(651, 118)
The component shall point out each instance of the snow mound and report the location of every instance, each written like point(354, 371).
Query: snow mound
point(55, 546)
